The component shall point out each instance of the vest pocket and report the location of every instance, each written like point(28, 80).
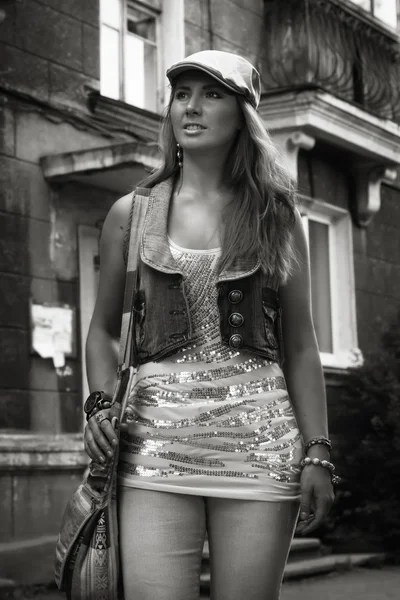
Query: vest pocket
point(270, 315)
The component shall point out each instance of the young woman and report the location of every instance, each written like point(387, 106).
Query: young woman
point(217, 425)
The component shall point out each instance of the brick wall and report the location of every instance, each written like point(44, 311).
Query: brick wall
point(48, 49)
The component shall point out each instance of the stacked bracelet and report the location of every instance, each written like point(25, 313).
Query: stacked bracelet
point(321, 463)
point(105, 404)
point(319, 439)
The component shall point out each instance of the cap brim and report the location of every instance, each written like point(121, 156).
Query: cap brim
point(178, 69)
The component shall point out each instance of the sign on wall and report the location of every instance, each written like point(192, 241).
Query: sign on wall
point(53, 331)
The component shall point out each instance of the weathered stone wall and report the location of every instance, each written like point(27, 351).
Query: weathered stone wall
point(49, 49)
point(230, 25)
point(377, 269)
point(49, 59)
point(38, 261)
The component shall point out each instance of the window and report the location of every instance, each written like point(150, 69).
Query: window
point(385, 10)
point(129, 52)
point(329, 234)
point(140, 74)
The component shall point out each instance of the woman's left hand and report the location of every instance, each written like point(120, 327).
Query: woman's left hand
point(317, 497)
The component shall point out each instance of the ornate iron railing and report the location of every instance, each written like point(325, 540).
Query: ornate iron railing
point(321, 44)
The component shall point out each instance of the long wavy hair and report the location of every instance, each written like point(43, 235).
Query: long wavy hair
point(260, 221)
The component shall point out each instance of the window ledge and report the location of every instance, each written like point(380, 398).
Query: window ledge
point(27, 451)
point(320, 115)
point(342, 361)
point(142, 123)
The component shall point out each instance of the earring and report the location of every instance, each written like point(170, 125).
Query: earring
point(179, 155)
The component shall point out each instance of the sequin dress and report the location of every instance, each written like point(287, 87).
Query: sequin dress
point(210, 420)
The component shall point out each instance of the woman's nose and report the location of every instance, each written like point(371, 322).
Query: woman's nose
point(193, 106)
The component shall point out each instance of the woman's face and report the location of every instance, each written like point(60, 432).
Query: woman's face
point(204, 113)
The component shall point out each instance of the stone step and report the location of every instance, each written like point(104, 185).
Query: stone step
point(312, 567)
point(6, 584)
point(333, 562)
point(306, 548)
point(28, 562)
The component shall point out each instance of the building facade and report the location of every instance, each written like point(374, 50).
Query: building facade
point(82, 90)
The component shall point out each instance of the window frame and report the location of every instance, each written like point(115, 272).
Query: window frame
point(342, 280)
point(123, 34)
point(157, 44)
point(323, 219)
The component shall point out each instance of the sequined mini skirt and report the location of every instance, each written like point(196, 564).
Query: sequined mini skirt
point(224, 430)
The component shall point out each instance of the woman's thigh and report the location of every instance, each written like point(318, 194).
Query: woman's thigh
point(161, 543)
point(249, 545)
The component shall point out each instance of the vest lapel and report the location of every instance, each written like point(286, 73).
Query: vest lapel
point(241, 267)
point(154, 247)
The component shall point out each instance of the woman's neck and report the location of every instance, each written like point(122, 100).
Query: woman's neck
point(202, 175)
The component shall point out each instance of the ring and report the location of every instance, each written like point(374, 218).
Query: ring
point(100, 417)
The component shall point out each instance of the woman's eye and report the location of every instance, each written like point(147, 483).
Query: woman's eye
point(180, 95)
point(214, 94)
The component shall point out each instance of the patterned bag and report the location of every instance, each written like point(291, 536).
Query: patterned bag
point(87, 552)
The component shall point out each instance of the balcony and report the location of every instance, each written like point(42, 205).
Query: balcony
point(326, 45)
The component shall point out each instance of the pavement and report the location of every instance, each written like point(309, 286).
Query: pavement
point(357, 584)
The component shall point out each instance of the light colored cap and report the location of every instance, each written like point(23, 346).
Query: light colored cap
point(231, 70)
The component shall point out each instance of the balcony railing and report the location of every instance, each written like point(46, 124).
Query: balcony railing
point(321, 44)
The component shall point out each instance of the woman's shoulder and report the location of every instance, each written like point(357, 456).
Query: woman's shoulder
point(117, 219)
point(120, 210)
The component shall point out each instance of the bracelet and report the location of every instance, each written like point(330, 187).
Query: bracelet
point(96, 409)
point(321, 463)
point(319, 439)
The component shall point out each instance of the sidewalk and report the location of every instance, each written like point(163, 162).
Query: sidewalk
point(358, 584)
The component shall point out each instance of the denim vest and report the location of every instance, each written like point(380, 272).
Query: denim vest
point(250, 316)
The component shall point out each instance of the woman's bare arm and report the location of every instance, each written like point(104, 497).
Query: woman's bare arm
point(104, 331)
point(306, 387)
point(302, 366)
point(105, 326)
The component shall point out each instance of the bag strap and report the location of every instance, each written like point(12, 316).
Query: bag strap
point(139, 209)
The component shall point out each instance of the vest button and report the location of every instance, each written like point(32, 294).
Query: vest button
point(235, 296)
point(235, 341)
point(236, 320)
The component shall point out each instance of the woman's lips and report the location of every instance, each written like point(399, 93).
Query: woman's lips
point(193, 127)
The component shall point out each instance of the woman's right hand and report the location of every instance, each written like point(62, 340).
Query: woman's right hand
point(100, 439)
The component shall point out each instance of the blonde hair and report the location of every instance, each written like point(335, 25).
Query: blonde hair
point(260, 221)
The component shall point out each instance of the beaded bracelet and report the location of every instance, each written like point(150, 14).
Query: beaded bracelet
point(319, 439)
point(321, 463)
